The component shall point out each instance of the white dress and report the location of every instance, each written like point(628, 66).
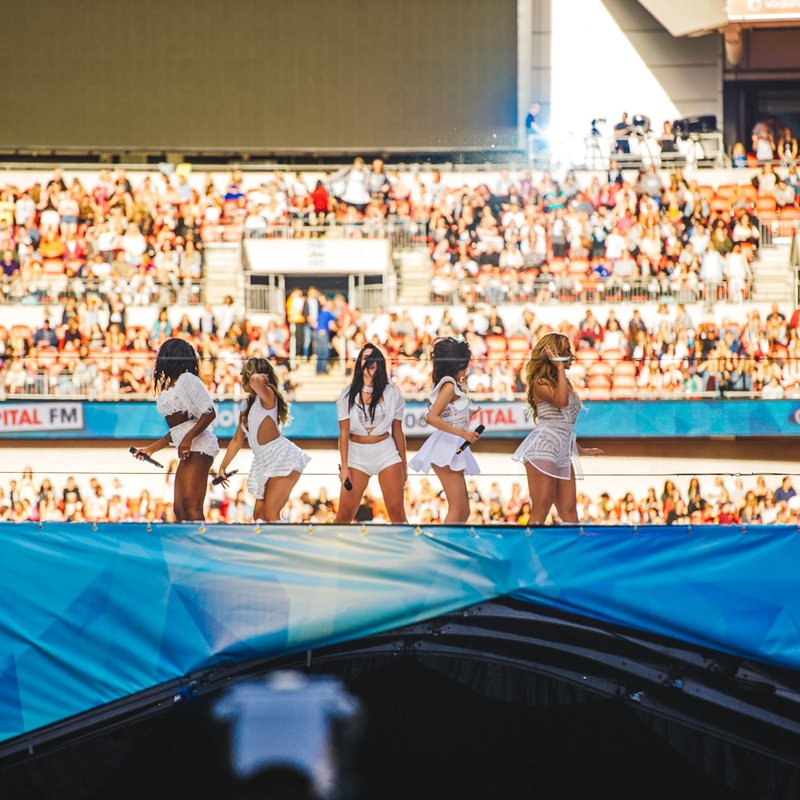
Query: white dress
point(440, 447)
point(551, 446)
point(271, 460)
point(189, 395)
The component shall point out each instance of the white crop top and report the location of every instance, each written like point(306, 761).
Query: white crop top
point(255, 417)
point(387, 411)
point(188, 394)
point(456, 412)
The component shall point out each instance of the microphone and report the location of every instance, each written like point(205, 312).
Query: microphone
point(347, 484)
point(146, 458)
point(479, 430)
point(218, 480)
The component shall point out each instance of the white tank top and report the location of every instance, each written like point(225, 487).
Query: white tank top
point(255, 417)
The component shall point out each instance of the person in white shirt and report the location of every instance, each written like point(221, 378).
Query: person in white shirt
point(371, 438)
point(450, 415)
point(186, 405)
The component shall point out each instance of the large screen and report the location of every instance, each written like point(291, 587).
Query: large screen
point(256, 75)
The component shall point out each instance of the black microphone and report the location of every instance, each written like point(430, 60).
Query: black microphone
point(347, 484)
point(218, 480)
point(145, 457)
point(479, 430)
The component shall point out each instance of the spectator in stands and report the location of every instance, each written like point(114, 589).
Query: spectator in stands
point(324, 330)
point(787, 147)
point(45, 336)
point(763, 142)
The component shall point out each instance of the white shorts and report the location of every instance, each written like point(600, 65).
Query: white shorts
point(205, 442)
point(373, 458)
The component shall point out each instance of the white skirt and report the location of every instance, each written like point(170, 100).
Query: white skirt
point(275, 459)
point(552, 449)
point(440, 449)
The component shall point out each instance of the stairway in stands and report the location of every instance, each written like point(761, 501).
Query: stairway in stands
point(773, 277)
point(320, 388)
point(222, 267)
point(414, 269)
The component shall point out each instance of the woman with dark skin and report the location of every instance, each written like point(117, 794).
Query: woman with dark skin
point(187, 407)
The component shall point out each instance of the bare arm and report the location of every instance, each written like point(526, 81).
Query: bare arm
point(234, 446)
point(344, 449)
point(263, 390)
point(400, 440)
point(159, 444)
point(198, 427)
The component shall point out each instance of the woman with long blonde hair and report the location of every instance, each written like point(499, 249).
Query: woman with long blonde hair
point(548, 451)
point(277, 462)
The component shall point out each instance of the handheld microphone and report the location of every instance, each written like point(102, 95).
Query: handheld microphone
point(218, 480)
point(146, 458)
point(347, 484)
point(479, 430)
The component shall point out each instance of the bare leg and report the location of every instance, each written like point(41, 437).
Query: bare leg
point(566, 499)
point(391, 481)
point(276, 493)
point(350, 500)
point(543, 493)
point(455, 490)
point(191, 482)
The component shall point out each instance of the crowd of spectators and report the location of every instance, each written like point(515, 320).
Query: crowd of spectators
point(103, 235)
point(506, 239)
point(518, 237)
point(91, 351)
point(612, 239)
point(726, 501)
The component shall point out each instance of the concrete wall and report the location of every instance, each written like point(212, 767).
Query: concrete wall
point(610, 56)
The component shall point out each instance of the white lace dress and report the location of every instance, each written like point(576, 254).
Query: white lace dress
point(551, 446)
point(274, 459)
point(189, 395)
point(440, 447)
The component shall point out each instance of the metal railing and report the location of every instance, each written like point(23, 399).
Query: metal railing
point(592, 291)
point(404, 234)
point(45, 290)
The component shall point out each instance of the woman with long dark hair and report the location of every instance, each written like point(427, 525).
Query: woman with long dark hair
point(186, 405)
point(548, 451)
point(450, 414)
point(371, 439)
point(277, 462)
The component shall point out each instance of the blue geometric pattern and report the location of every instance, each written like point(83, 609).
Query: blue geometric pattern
point(89, 616)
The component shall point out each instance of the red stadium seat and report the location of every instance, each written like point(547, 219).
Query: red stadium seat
point(624, 368)
point(599, 368)
point(586, 355)
point(599, 393)
point(599, 381)
point(518, 350)
point(766, 206)
point(612, 356)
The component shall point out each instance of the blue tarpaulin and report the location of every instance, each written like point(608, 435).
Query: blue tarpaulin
point(92, 614)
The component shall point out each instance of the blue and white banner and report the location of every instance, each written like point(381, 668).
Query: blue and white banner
point(93, 614)
point(133, 420)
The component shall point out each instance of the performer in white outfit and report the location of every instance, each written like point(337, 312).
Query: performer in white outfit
point(187, 406)
point(277, 462)
point(550, 451)
point(450, 414)
point(371, 438)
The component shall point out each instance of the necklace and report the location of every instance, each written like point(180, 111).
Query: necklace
point(367, 389)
